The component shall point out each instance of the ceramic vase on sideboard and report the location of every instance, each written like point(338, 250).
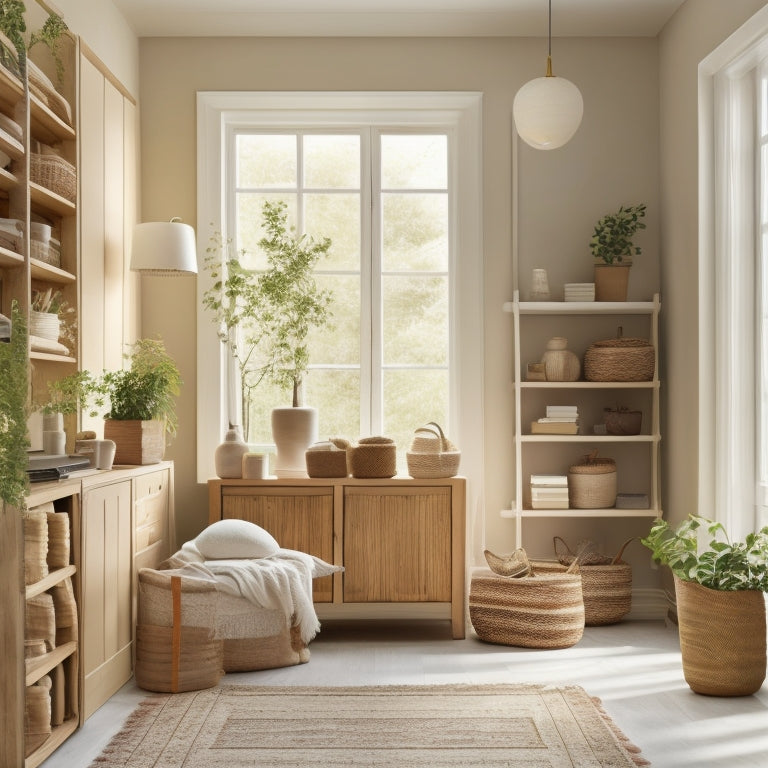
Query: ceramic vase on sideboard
point(293, 430)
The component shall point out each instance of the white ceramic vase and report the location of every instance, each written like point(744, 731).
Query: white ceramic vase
point(293, 430)
point(228, 458)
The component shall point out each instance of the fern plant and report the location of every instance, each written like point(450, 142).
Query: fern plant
point(613, 239)
point(719, 564)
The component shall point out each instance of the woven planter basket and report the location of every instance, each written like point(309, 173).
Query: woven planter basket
point(620, 359)
point(722, 639)
point(137, 442)
point(373, 457)
point(54, 173)
point(432, 454)
point(592, 483)
point(544, 611)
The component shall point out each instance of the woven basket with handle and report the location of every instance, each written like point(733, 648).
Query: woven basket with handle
point(432, 454)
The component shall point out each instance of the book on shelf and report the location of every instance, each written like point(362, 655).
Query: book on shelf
point(554, 428)
point(562, 410)
point(549, 493)
point(557, 419)
point(549, 504)
point(549, 481)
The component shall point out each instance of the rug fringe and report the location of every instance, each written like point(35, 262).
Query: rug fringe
point(633, 750)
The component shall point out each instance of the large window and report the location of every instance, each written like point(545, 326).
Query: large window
point(393, 181)
point(382, 198)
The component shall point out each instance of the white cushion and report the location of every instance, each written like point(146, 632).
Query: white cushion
point(227, 539)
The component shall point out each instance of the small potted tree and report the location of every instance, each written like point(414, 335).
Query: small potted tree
point(141, 401)
point(265, 318)
point(613, 247)
point(719, 588)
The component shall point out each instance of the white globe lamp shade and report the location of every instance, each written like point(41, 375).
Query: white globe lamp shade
point(547, 112)
point(164, 248)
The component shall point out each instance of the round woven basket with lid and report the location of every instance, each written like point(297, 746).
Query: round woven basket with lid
point(620, 359)
point(592, 483)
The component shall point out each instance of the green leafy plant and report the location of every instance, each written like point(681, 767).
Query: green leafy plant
point(13, 26)
point(145, 390)
point(612, 240)
point(13, 413)
point(50, 35)
point(265, 317)
point(719, 564)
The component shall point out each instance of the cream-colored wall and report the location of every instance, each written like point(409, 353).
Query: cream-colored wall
point(694, 32)
point(108, 35)
point(612, 160)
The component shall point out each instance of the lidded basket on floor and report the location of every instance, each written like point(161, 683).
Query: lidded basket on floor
point(544, 611)
point(432, 454)
point(592, 483)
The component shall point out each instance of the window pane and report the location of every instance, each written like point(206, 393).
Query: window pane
point(332, 162)
point(249, 224)
point(336, 395)
point(415, 320)
point(338, 217)
point(414, 162)
point(415, 232)
point(338, 343)
point(266, 161)
point(411, 399)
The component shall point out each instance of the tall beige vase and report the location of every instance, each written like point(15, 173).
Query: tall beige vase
point(722, 639)
point(293, 430)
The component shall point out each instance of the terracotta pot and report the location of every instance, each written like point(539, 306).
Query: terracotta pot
point(722, 639)
point(611, 281)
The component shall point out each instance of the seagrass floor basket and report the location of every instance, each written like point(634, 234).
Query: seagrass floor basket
point(545, 611)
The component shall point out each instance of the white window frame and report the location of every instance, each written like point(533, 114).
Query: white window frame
point(460, 112)
point(728, 276)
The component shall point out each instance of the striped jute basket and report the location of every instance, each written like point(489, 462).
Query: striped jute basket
point(40, 619)
point(545, 611)
point(373, 457)
point(65, 608)
point(37, 715)
point(722, 639)
point(35, 545)
point(58, 540)
point(176, 657)
point(606, 587)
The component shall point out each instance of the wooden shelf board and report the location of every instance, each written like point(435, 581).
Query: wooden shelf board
point(46, 126)
point(554, 438)
point(608, 513)
point(654, 384)
point(11, 89)
point(51, 580)
point(49, 356)
point(42, 197)
point(7, 180)
point(581, 307)
point(10, 258)
point(42, 271)
point(38, 666)
point(58, 736)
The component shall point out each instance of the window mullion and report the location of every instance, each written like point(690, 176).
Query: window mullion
point(371, 342)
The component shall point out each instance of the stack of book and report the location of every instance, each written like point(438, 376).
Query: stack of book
point(560, 420)
point(549, 492)
point(579, 291)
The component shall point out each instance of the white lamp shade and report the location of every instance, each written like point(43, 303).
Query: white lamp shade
point(164, 248)
point(547, 111)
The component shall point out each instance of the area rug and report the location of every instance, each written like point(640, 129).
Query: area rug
point(472, 726)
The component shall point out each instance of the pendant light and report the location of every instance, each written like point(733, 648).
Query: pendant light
point(164, 248)
point(548, 110)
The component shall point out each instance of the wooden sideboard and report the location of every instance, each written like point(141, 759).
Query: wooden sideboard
point(401, 541)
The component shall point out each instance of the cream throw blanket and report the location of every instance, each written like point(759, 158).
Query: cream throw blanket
point(281, 582)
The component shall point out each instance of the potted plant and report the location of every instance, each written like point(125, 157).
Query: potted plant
point(13, 407)
point(141, 401)
point(719, 588)
point(613, 247)
point(265, 318)
point(13, 27)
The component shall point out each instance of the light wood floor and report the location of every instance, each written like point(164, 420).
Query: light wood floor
point(634, 667)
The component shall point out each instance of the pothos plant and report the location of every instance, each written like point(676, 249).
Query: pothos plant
point(613, 239)
point(719, 564)
point(265, 316)
point(14, 440)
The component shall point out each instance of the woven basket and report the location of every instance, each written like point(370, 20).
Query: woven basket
point(607, 587)
point(330, 462)
point(544, 611)
point(592, 483)
point(37, 715)
point(432, 454)
point(43, 252)
point(54, 173)
point(373, 457)
point(58, 540)
point(65, 608)
point(40, 622)
point(620, 359)
point(35, 545)
point(722, 639)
